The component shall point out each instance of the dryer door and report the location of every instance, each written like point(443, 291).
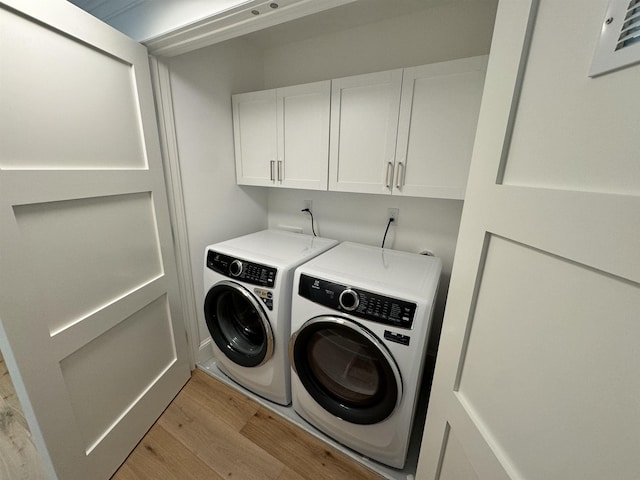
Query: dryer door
point(238, 324)
point(346, 369)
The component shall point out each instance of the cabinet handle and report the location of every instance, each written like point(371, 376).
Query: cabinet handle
point(399, 175)
point(272, 165)
point(279, 170)
point(389, 175)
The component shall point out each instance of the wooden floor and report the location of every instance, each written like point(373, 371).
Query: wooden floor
point(209, 432)
point(19, 458)
point(212, 432)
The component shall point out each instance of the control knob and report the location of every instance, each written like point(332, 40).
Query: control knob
point(349, 300)
point(235, 268)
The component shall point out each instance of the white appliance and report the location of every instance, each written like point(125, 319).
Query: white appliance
point(360, 320)
point(247, 307)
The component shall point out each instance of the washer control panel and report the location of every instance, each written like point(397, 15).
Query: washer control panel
point(248, 272)
point(357, 302)
point(266, 296)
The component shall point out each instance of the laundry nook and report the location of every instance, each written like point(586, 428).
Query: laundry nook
point(319, 239)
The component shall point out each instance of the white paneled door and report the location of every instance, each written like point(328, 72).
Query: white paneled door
point(537, 370)
point(90, 320)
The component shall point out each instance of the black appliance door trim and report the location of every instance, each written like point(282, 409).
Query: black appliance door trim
point(220, 334)
point(389, 393)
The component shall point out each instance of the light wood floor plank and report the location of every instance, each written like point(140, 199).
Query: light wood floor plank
point(230, 406)
point(232, 437)
point(209, 432)
point(229, 454)
point(288, 474)
point(19, 458)
point(126, 472)
point(8, 394)
point(301, 452)
point(160, 456)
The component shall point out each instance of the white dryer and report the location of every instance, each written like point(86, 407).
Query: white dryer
point(247, 307)
point(360, 320)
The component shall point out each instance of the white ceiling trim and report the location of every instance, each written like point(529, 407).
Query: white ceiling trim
point(234, 23)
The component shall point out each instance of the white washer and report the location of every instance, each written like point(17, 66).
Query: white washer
point(247, 307)
point(360, 320)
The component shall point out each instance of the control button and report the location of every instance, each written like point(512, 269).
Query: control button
point(349, 300)
point(397, 337)
point(235, 268)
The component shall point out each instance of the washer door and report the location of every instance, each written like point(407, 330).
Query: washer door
point(238, 324)
point(346, 369)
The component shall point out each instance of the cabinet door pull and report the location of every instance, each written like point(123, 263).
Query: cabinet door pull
point(272, 165)
point(389, 175)
point(399, 175)
point(279, 170)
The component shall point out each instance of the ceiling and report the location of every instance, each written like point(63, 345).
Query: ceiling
point(145, 19)
point(108, 9)
point(360, 12)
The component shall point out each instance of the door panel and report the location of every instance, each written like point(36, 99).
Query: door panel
point(59, 108)
point(438, 119)
point(90, 319)
point(537, 330)
point(303, 142)
point(535, 375)
point(99, 400)
point(255, 137)
point(560, 155)
point(455, 464)
point(364, 126)
point(109, 270)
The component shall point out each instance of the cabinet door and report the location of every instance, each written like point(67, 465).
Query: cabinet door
point(364, 121)
point(303, 135)
point(438, 117)
point(255, 133)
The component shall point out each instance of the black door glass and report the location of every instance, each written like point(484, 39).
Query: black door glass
point(345, 372)
point(346, 367)
point(240, 323)
point(236, 325)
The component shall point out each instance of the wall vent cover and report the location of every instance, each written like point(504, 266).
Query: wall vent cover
point(619, 43)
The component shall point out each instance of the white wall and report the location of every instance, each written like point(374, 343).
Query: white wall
point(216, 208)
point(423, 224)
point(439, 33)
point(442, 32)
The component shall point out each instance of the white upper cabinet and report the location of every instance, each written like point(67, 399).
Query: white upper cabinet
point(364, 124)
point(398, 132)
point(255, 137)
point(282, 136)
point(303, 135)
point(438, 117)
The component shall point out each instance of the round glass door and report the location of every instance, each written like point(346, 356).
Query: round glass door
point(238, 325)
point(346, 369)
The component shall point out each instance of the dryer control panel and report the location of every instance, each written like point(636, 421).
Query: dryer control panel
point(247, 272)
point(357, 302)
